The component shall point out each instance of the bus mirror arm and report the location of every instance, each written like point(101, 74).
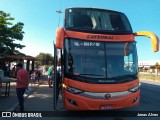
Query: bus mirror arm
point(152, 36)
point(59, 37)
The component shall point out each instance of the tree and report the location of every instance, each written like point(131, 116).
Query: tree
point(157, 66)
point(9, 32)
point(44, 59)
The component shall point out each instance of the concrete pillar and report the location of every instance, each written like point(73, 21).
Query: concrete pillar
point(32, 65)
point(28, 65)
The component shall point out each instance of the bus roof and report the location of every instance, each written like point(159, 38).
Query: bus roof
point(90, 8)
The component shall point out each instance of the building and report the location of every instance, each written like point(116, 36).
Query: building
point(148, 63)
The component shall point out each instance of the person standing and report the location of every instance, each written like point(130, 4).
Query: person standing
point(32, 77)
point(38, 75)
point(13, 71)
point(22, 84)
point(50, 76)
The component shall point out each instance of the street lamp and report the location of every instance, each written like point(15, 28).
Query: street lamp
point(59, 12)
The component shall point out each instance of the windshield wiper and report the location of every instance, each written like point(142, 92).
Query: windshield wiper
point(79, 78)
point(91, 74)
point(124, 76)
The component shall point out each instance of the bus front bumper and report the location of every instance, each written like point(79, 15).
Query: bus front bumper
point(78, 102)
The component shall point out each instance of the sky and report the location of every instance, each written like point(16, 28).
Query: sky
point(41, 21)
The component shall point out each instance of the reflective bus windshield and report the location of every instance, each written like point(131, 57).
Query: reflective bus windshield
point(102, 61)
point(96, 20)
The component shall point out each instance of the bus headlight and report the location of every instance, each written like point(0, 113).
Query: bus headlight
point(73, 90)
point(135, 89)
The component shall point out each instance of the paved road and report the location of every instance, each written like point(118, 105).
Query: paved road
point(150, 97)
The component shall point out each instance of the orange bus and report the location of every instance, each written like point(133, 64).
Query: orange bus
point(99, 60)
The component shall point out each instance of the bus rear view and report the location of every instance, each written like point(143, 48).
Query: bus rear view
point(99, 60)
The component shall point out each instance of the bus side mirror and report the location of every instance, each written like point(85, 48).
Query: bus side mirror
point(59, 38)
point(152, 36)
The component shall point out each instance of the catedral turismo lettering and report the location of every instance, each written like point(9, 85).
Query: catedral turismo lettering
point(99, 37)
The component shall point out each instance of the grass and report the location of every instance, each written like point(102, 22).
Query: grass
point(149, 77)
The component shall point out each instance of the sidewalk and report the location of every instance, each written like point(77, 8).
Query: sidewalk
point(40, 98)
point(10, 102)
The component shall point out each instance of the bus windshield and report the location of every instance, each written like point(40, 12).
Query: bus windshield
point(101, 61)
point(96, 20)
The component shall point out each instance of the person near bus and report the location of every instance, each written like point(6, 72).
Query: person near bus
point(22, 84)
point(50, 76)
point(38, 75)
point(32, 77)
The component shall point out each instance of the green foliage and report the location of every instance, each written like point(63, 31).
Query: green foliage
point(157, 66)
point(9, 32)
point(44, 59)
point(152, 67)
point(146, 68)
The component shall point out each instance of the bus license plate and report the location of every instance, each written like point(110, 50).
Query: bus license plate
point(106, 107)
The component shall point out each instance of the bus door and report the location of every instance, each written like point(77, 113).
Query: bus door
point(57, 81)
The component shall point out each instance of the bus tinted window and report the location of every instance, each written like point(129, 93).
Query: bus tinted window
point(94, 59)
point(95, 19)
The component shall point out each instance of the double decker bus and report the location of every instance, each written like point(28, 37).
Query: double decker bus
point(99, 60)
